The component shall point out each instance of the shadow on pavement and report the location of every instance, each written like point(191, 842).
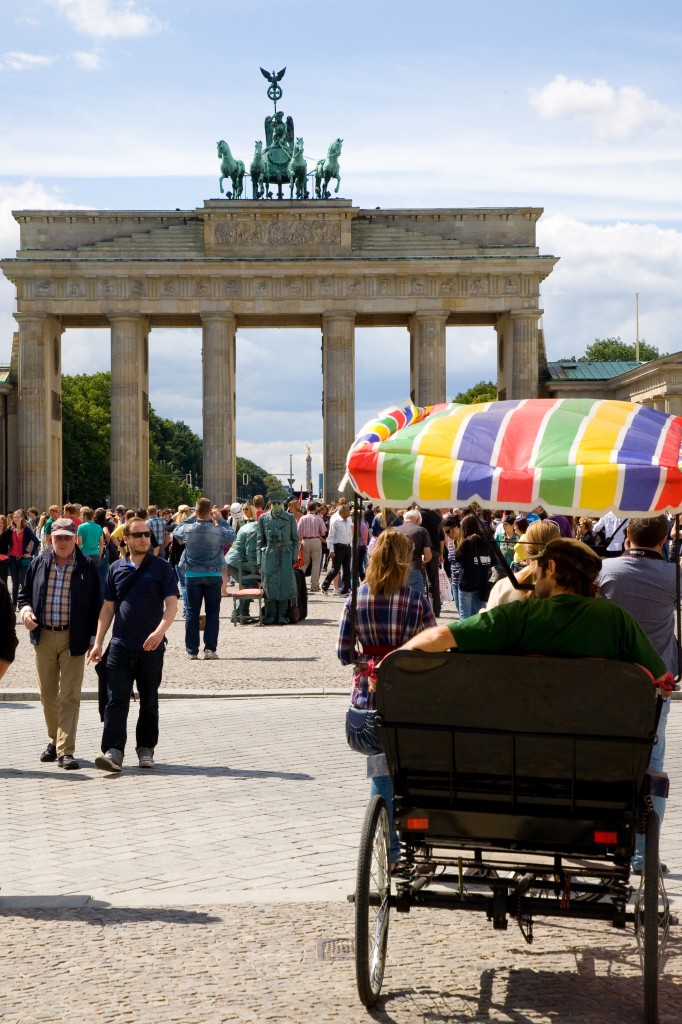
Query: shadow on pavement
point(15, 705)
point(97, 912)
point(225, 772)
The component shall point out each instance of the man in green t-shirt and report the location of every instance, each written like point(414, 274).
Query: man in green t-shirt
point(567, 622)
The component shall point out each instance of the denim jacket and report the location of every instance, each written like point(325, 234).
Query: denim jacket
point(204, 542)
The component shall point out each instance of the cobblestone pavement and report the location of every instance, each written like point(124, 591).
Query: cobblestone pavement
point(200, 891)
point(252, 658)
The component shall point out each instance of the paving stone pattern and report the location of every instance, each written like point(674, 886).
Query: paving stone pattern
point(199, 892)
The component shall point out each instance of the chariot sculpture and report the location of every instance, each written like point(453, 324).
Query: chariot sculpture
point(282, 161)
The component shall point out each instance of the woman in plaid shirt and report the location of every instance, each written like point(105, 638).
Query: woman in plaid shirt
point(388, 614)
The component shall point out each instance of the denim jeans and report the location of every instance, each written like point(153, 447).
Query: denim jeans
point(17, 573)
point(382, 785)
point(180, 573)
point(415, 581)
point(124, 666)
point(656, 763)
point(470, 603)
point(455, 596)
point(206, 589)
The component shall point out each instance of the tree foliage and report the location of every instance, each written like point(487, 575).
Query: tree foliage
point(174, 449)
point(256, 483)
point(615, 350)
point(484, 391)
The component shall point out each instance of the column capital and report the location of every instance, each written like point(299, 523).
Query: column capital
point(338, 314)
point(36, 318)
point(437, 315)
point(127, 317)
point(525, 314)
point(213, 317)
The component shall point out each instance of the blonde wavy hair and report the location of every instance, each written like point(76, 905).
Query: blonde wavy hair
point(389, 563)
point(538, 534)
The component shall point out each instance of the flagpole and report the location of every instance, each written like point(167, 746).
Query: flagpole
point(637, 326)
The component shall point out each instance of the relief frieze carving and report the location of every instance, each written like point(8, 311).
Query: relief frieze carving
point(137, 288)
point(232, 289)
point(277, 234)
point(45, 289)
point(449, 286)
point(386, 286)
point(169, 288)
point(479, 286)
point(76, 290)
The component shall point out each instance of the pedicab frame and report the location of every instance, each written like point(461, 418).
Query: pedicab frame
point(521, 837)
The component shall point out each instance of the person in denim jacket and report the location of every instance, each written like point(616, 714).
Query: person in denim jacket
point(204, 536)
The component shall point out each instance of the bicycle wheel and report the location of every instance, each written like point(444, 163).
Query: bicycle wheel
point(650, 918)
point(372, 893)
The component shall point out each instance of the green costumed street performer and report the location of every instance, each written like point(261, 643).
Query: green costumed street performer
point(277, 552)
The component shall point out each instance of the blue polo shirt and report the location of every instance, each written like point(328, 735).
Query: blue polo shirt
point(142, 608)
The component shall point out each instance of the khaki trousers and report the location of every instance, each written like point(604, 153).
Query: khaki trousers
point(312, 555)
point(60, 676)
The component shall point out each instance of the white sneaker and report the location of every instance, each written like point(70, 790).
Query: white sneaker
point(145, 757)
point(112, 761)
point(210, 656)
point(192, 657)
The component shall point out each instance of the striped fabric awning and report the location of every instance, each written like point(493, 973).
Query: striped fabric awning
point(569, 455)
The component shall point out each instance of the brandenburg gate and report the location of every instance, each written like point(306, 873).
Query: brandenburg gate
point(320, 263)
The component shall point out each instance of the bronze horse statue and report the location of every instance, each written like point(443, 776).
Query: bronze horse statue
point(258, 172)
point(327, 169)
point(297, 170)
point(232, 169)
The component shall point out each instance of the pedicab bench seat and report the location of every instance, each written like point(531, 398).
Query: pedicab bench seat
point(519, 753)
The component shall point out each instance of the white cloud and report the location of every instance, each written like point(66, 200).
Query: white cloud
point(17, 60)
point(611, 113)
point(591, 292)
point(89, 60)
point(108, 18)
point(29, 195)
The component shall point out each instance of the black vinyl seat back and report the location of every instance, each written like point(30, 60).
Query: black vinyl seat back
point(526, 737)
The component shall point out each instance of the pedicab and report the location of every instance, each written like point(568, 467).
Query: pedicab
point(520, 783)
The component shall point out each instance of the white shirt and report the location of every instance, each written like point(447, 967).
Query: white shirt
point(340, 531)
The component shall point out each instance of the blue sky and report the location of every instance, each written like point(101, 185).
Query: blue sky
point(576, 108)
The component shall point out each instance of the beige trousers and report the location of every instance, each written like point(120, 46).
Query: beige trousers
point(312, 555)
point(60, 676)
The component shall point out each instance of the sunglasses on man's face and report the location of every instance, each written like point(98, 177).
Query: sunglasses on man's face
point(145, 533)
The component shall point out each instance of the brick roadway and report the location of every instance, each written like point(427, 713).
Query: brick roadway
point(251, 657)
point(199, 892)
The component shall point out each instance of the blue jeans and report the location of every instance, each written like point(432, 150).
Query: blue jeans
point(415, 581)
point(17, 572)
point(180, 573)
point(656, 762)
point(455, 596)
point(382, 785)
point(124, 666)
point(206, 589)
point(470, 603)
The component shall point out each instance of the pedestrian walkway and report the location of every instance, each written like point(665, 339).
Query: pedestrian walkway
point(207, 890)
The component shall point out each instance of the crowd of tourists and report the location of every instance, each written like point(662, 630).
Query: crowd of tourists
point(77, 572)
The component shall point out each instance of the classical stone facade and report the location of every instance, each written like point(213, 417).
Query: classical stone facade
point(324, 264)
point(657, 384)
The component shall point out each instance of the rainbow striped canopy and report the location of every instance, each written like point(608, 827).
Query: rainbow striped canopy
point(569, 455)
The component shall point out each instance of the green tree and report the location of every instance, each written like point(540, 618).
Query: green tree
point(274, 488)
point(174, 448)
point(256, 478)
point(484, 391)
point(615, 350)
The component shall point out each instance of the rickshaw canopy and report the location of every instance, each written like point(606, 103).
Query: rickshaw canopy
point(570, 455)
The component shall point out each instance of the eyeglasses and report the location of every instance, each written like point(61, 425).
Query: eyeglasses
point(145, 533)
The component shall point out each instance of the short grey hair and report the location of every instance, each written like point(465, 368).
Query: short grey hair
point(414, 515)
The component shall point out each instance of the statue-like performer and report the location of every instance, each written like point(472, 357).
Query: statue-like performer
point(277, 552)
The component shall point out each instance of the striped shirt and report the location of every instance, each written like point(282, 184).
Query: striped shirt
point(58, 593)
point(382, 620)
point(310, 526)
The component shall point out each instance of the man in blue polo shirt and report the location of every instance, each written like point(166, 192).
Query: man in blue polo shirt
point(141, 598)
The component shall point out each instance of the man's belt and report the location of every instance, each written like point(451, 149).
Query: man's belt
point(54, 629)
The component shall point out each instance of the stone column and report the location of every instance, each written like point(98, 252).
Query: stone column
point(338, 402)
point(219, 334)
point(39, 411)
point(129, 410)
point(427, 357)
point(522, 375)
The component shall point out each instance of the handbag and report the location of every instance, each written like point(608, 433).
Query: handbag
point(362, 731)
point(444, 586)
